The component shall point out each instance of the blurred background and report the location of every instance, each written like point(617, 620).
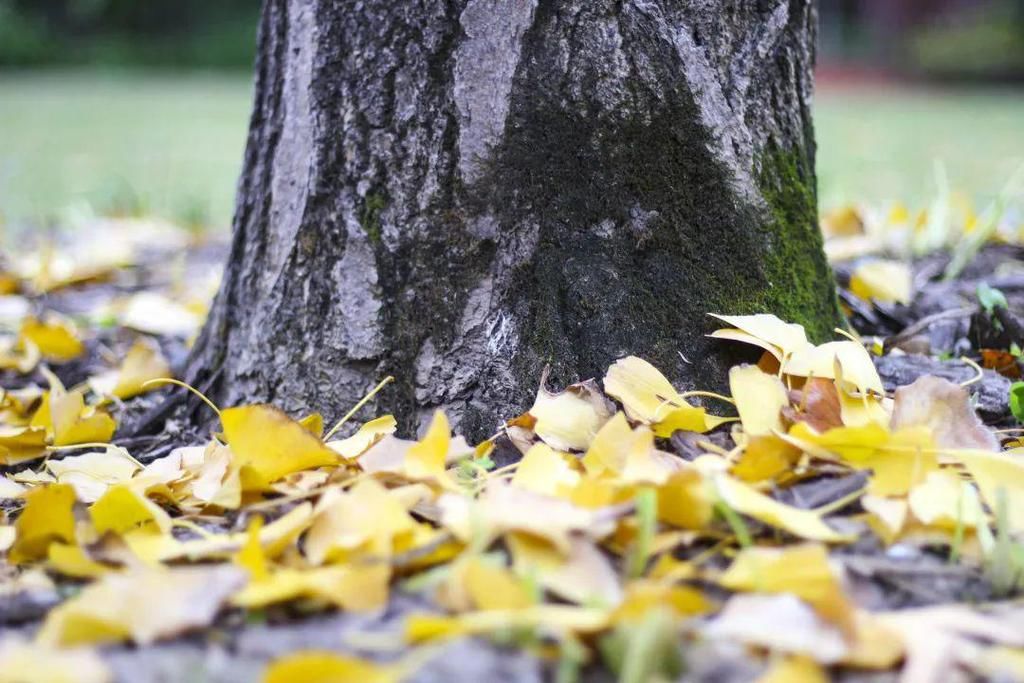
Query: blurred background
point(129, 107)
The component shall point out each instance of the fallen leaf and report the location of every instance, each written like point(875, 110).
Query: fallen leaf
point(21, 662)
point(779, 338)
point(847, 362)
point(124, 508)
point(945, 500)
point(546, 471)
point(557, 620)
point(798, 669)
point(649, 398)
point(143, 362)
point(781, 623)
point(803, 570)
point(584, 576)
point(269, 445)
point(141, 605)
point(46, 518)
point(313, 666)
point(364, 518)
point(366, 436)
point(354, 587)
point(945, 409)
point(569, 420)
point(882, 280)
point(759, 397)
point(56, 338)
point(801, 523)
point(91, 474)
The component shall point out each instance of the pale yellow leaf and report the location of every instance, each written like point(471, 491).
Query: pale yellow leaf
point(759, 397)
point(142, 605)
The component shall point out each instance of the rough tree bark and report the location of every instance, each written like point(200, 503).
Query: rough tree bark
point(458, 192)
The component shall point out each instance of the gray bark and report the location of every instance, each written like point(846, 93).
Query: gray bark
point(459, 192)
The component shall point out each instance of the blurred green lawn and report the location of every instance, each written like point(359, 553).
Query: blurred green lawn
point(172, 144)
point(162, 143)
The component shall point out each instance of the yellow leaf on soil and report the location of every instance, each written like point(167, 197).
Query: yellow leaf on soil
point(366, 518)
point(267, 445)
point(311, 666)
point(143, 362)
point(21, 662)
point(944, 500)
point(71, 560)
point(123, 508)
point(759, 397)
point(881, 280)
point(803, 523)
point(555, 619)
point(999, 476)
point(355, 587)
point(900, 460)
point(367, 435)
point(780, 338)
point(55, 338)
point(141, 605)
point(20, 444)
point(802, 570)
point(46, 518)
point(847, 362)
point(569, 420)
point(426, 458)
point(648, 397)
point(546, 471)
point(584, 576)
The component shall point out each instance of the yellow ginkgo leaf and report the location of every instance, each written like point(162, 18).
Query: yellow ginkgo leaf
point(366, 436)
point(607, 453)
point(55, 338)
point(944, 500)
point(765, 330)
point(313, 666)
point(143, 362)
point(585, 576)
point(899, 460)
point(425, 459)
point(24, 661)
point(683, 500)
point(847, 362)
point(555, 619)
point(803, 570)
point(882, 280)
point(569, 420)
point(1000, 478)
point(71, 560)
point(70, 421)
point(364, 518)
point(20, 444)
point(354, 587)
point(545, 470)
point(801, 523)
point(142, 605)
point(478, 583)
point(91, 474)
point(648, 397)
point(759, 397)
point(267, 445)
point(124, 508)
point(46, 518)
point(644, 595)
point(795, 669)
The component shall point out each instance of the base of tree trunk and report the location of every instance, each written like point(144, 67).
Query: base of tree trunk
point(460, 193)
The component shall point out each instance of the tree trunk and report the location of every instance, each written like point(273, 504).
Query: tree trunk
point(459, 192)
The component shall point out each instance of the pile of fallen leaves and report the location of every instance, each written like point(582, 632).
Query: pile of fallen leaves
point(636, 527)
